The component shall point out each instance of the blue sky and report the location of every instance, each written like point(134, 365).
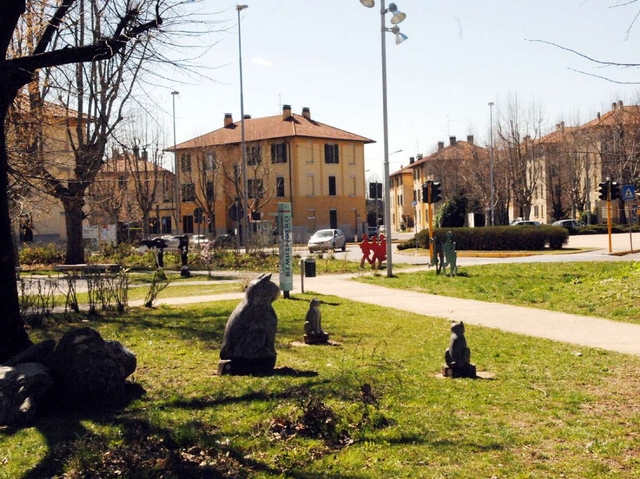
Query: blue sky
point(460, 55)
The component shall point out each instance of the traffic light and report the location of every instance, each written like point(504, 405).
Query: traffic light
point(425, 192)
point(436, 192)
point(615, 190)
point(603, 190)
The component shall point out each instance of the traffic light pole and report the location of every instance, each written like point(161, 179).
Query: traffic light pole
point(430, 211)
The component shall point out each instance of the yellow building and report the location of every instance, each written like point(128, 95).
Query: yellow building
point(292, 158)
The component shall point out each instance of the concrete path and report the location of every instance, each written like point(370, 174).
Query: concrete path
point(568, 328)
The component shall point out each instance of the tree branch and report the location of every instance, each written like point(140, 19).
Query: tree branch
point(599, 62)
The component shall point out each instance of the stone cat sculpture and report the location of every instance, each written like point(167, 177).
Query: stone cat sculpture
point(248, 345)
point(458, 356)
point(313, 333)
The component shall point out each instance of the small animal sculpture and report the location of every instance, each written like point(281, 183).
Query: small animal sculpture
point(313, 333)
point(179, 244)
point(313, 320)
point(458, 354)
point(250, 334)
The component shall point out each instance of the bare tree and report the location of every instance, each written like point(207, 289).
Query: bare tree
point(49, 49)
point(519, 146)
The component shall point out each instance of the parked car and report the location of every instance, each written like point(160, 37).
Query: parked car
point(198, 240)
point(382, 229)
point(524, 223)
point(569, 223)
point(372, 231)
point(324, 240)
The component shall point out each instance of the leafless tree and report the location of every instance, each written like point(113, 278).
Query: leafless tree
point(50, 48)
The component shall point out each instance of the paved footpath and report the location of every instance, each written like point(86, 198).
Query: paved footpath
point(569, 328)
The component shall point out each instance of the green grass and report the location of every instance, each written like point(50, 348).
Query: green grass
point(546, 412)
point(605, 289)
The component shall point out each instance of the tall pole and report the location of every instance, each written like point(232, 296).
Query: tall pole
point(175, 165)
point(387, 190)
point(245, 191)
point(492, 205)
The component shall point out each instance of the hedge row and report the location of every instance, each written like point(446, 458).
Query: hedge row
point(498, 238)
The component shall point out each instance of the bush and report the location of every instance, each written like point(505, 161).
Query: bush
point(49, 254)
point(497, 238)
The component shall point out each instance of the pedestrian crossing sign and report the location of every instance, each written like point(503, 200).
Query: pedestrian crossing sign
point(628, 192)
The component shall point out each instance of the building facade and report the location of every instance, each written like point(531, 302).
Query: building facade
point(292, 158)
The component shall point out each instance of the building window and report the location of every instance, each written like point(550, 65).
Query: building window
point(167, 189)
point(255, 188)
point(210, 193)
point(279, 153)
point(166, 225)
point(254, 155)
point(187, 224)
point(332, 186)
point(310, 185)
point(331, 154)
point(353, 186)
point(333, 219)
point(188, 192)
point(154, 226)
point(280, 186)
point(210, 161)
point(185, 162)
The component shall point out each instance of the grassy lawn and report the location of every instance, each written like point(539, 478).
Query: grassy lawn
point(548, 410)
point(604, 289)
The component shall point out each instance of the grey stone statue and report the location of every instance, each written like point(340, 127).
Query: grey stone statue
point(313, 333)
point(248, 345)
point(458, 356)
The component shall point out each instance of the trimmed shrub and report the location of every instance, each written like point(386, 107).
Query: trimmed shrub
point(41, 254)
point(498, 238)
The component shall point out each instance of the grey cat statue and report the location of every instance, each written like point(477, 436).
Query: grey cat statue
point(458, 356)
point(313, 333)
point(248, 344)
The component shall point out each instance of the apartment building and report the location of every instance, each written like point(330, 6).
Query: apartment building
point(292, 158)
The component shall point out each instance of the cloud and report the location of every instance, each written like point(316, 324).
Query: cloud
point(261, 62)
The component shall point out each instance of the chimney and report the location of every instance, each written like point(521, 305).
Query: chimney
point(247, 117)
point(286, 112)
point(613, 106)
point(470, 139)
point(526, 138)
point(411, 160)
point(440, 145)
point(598, 115)
point(619, 104)
point(228, 120)
point(562, 126)
point(145, 155)
point(452, 140)
point(115, 153)
point(419, 157)
point(306, 112)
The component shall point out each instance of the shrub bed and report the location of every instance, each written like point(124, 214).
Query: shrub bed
point(497, 238)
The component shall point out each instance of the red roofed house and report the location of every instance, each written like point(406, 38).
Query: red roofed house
point(292, 158)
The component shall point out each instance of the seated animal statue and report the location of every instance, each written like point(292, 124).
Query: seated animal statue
point(249, 341)
point(172, 243)
point(458, 356)
point(313, 333)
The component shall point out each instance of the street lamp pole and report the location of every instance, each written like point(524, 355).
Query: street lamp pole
point(175, 164)
point(397, 18)
point(245, 182)
point(492, 205)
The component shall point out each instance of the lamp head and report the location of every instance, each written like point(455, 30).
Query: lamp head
point(241, 7)
point(368, 3)
point(175, 92)
point(398, 16)
point(400, 37)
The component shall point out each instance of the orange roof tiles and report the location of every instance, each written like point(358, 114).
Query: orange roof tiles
point(270, 127)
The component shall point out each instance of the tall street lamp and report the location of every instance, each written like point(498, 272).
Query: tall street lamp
point(175, 165)
point(245, 192)
point(397, 17)
point(492, 205)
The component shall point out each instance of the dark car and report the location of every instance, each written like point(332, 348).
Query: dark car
point(224, 241)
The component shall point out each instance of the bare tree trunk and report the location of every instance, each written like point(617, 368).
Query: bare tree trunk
point(74, 215)
point(14, 338)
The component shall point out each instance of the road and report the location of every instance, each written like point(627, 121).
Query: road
point(579, 248)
